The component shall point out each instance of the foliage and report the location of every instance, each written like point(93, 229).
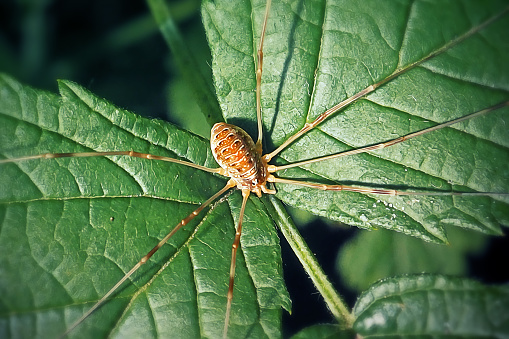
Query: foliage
point(72, 227)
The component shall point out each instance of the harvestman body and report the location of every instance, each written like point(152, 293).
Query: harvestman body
point(242, 160)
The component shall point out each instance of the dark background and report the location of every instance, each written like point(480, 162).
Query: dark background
point(116, 51)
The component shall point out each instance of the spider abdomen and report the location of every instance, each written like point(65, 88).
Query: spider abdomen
point(235, 152)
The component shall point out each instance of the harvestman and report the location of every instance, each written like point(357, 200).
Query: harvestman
point(242, 161)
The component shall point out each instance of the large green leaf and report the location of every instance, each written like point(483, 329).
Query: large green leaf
point(72, 227)
point(318, 53)
point(63, 247)
point(432, 306)
point(392, 254)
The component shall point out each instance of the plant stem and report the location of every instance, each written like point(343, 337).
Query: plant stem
point(332, 298)
point(205, 94)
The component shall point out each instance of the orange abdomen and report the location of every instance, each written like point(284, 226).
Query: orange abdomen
point(235, 151)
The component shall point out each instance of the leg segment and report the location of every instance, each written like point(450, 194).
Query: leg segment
point(112, 153)
point(325, 187)
point(235, 246)
point(371, 88)
point(145, 258)
point(392, 142)
point(259, 80)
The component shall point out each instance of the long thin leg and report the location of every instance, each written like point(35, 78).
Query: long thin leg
point(235, 246)
point(325, 187)
point(309, 126)
point(112, 153)
point(145, 258)
point(259, 79)
point(392, 142)
point(371, 88)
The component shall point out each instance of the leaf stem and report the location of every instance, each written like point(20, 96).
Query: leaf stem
point(332, 298)
point(205, 94)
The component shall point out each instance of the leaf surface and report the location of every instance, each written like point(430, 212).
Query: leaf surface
point(391, 254)
point(72, 227)
point(432, 305)
point(317, 54)
point(61, 218)
point(324, 331)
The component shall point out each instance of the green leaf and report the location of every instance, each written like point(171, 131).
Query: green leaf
point(62, 247)
point(317, 54)
point(392, 254)
point(432, 305)
point(324, 332)
point(72, 227)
